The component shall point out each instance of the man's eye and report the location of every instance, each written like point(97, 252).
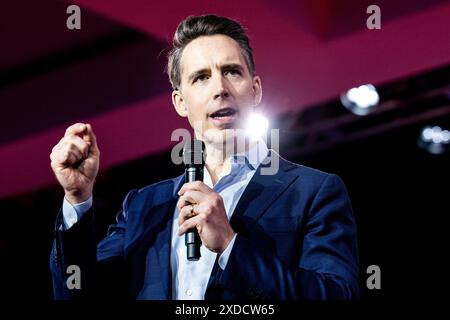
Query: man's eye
point(233, 72)
point(200, 78)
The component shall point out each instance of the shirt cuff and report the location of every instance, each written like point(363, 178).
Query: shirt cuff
point(73, 212)
point(223, 259)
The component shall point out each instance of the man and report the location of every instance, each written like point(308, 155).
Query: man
point(290, 235)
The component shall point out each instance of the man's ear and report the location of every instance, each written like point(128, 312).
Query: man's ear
point(178, 103)
point(257, 90)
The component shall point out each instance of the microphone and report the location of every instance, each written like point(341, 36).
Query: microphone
point(193, 159)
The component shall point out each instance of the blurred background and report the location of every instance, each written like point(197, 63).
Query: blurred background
point(372, 106)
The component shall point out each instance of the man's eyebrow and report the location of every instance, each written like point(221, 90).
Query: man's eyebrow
point(196, 73)
point(225, 67)
point(230, 66)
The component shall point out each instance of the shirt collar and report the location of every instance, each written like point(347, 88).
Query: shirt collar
point(252, 157)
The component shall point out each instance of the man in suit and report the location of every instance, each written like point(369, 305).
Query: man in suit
point(287, 235)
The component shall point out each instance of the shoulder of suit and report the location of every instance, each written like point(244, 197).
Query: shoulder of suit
point(303, 171)
point(163, 188)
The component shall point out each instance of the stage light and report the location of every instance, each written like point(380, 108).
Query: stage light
point(257, 126)
point(435, 140)
point(362, 100)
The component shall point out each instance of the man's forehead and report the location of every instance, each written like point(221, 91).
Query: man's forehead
point(207, 51)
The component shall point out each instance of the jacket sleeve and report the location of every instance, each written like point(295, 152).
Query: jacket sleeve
point(101, 265)
point(327, 264)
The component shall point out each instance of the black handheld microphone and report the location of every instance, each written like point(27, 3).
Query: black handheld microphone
point(194, 162)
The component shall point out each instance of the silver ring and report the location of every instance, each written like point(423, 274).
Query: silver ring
point(191, 211)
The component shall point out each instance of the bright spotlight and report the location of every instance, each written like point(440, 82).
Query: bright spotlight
point(362, 100)
point(257, 126)
point(435, 140)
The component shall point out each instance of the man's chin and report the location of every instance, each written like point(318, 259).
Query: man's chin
point(224, 137)
point(219, 136)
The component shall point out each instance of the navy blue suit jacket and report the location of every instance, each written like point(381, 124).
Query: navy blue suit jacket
point(296, 239)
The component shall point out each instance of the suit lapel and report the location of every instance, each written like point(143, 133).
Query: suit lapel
point(261, 192)
point(163, 241)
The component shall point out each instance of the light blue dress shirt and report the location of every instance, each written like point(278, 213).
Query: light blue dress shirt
point(190, 278)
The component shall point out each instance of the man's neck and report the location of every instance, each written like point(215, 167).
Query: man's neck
point(217, 170)
point(218, 159)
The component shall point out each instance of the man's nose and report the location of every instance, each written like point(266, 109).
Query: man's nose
point(221, 90)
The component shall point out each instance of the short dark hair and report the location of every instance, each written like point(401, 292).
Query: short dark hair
point(206, 25)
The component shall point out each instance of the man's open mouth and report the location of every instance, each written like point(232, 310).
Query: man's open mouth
point(224, 118)
point(223, 113)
